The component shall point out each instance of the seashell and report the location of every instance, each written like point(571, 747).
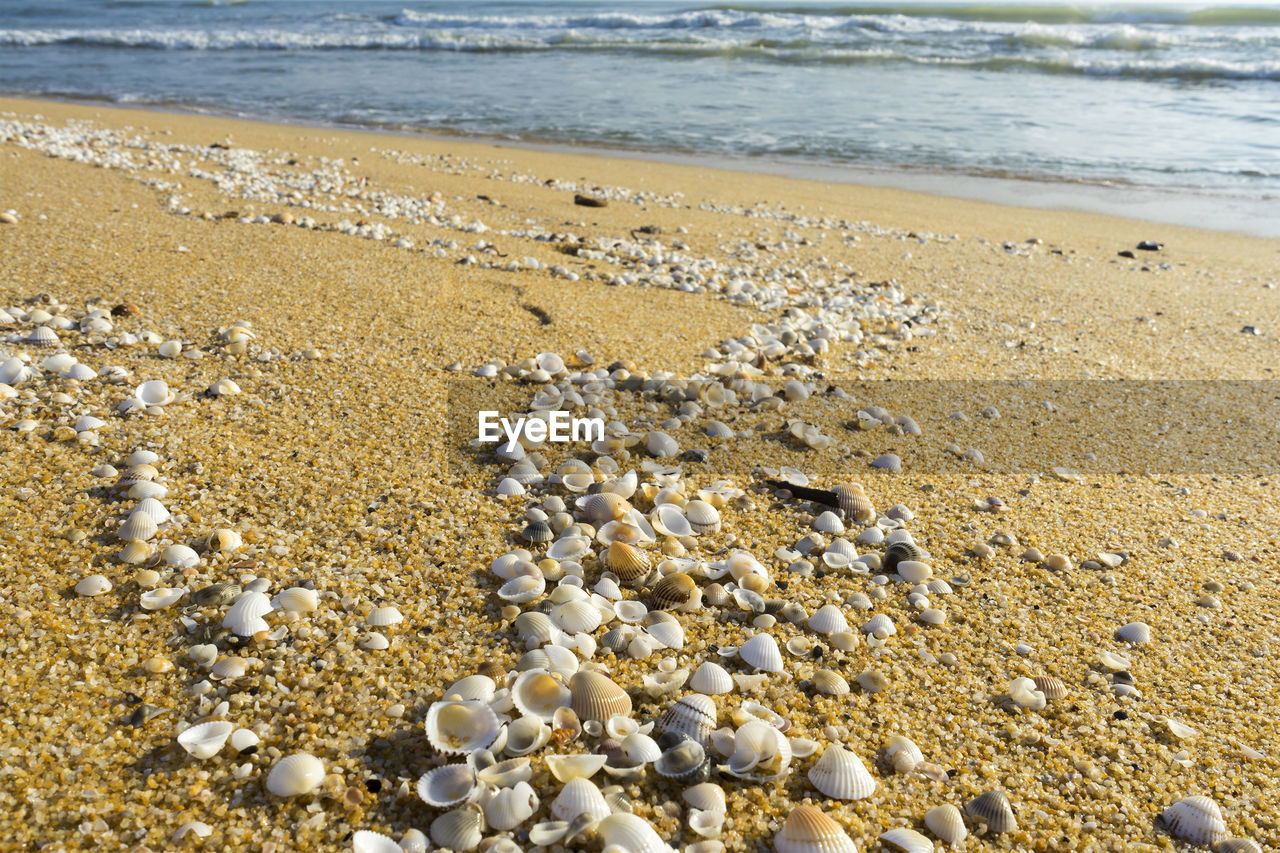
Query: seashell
point(907, 840)
point(580, 796)
point(601, 508)
point(222, 539)
point(707, 796)
point(152, 508)
point(461, 829)
point(447, 786)
point(461, 727)
point(663, 683)
point(522, 588)
point(381, 617)
point(827, 620)
point(693, 716)
point(1023, 693)
point(841, 775)
point(830, 682)
point(760, 752)
point(1052, 688)
point(224, 387)
point(702, 517)
point(478, 687)
point(946, 822)
point(808, 830)
point(903, 754)
point(139, 525)
point(510, 807)
point(547, 832)
point(250, 605)
point(154, 392)
point(504, 774)
point(535, 628)
point(1197, 820)
point(673, 591)
point(574, 617)
point(366, 841)
point(845, 641)
point(707, 824)
point(1134, 632)
point(141, 457)
point(1114, 662)
point(42, 336)
point(668, 518)
point(671, 636)
point(880, 625)
point(626, 561)
point(761, 653)
point(205, 740)
point(295, 775)
point(640, 748)
point(88, 423)
point(159, 599)
point(594, 696)
point(228, 668)
point(537, 532)
point(1177, 730)
point(567, 767)
point(569, 548)
point(914, 571)
point(900, 551)
point(685, 763)
point(1238, 845)
point(180, 557)
point(630, 833)
point(800, 646)
point(711, 679)
point(296, 599)
point(537, 693)
point(993, 809)
point(242, 739)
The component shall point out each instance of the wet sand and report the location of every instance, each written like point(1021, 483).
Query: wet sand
point(344, 462)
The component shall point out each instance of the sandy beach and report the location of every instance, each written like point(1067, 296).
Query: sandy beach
point(329, 309)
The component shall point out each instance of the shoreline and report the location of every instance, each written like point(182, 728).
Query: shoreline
point(1155, 205)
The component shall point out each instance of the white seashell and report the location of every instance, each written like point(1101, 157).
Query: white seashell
point(522, 588)
point(1023, 693)
point(502, 774)
point(669, 634)
point(447, 786)
point(914, 571)
point(802, 747)
point(841, 775)
point(93, 585)
point(1134, 632)
point(993, 809)
point(1114, 662)
point(509, 487)
point(526, 735)
point(1196, 819)
point(204, 655)
point(707, 824)
point(808, 830)
point(761, 653)
point(760, 752)
point(947, 823)
point(224, 388)
point(295, 775)
point(933, 616)
point(662, 684)
point(154, 392)
point(205, 740)
point(88, 423)
point(618, 726)
point(671, 519)
point(510, 807)
point(907, 840)
point(180, 557)
point(374, 642)
point(827, 620)
point(461, 727)
point(147, 489)
point(296, 599)
point(707, 796)
point(903, 754)
point(547, 832)
point(580, 796)
point(569, 548)
point(575, 617)
point(1238, 845)
point(880, 624)
point(250, 605)
point(242, 739)
point(567, 767)
point(382, 617)
point(139, 525)
point(640, 748)
point(711, 679)
point(478, 687)
point(630, 611)
point(828, 522)
point(630, 833)
point(153, 508)
point(159, 599)
point(228, 668)
point(366, 841)
point(693, 715)
point(461, 829)
point(537, 693)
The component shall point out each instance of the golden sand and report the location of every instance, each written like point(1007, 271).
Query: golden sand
point(345, 462)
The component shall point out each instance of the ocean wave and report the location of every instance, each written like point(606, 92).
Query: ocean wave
point(798, 50)
point(1041, 13)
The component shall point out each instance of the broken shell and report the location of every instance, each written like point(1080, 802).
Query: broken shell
point(158, 599)
point(808, 830)
point(707, 824)
point(947, 823)
point(907, 840)
point(841, 775)
point(503, 774)
point(1196, 819)
point(461, 727)
point(567, 767)
point(1023, 693)
point(295, 775)
point(761, 753)
point(994, 810)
